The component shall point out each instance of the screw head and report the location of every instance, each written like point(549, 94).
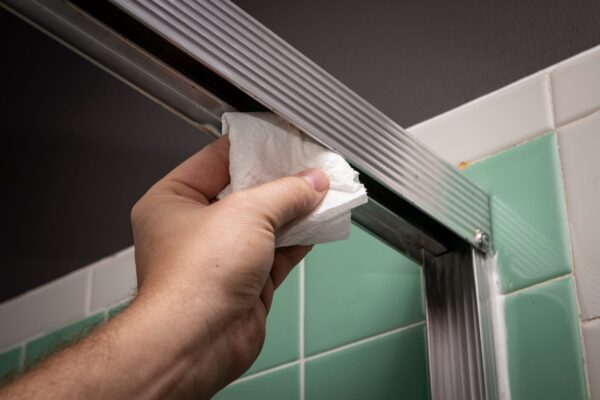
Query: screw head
point(482, 239)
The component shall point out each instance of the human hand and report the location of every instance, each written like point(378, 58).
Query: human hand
point(211, 266)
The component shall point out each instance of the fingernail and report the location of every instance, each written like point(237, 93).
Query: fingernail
point(317, 179)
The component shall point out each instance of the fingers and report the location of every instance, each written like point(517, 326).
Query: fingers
point(202, 176)
point(289, 198)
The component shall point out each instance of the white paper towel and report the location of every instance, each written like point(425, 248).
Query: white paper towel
point(264, 147)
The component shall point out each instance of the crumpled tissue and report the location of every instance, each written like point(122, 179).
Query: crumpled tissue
point(264, 147)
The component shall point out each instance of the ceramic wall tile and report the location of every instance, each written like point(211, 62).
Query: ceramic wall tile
point(43, 309)
point(277, 385)
point(591, 337)
point(391, 367)
point(490, 124)
point(10, 363)
point(579, 145)
point(357, 288)
point(282, 343)
point(38, 348)
point(576, 87)
point(113, 279)
point(528, 212)
point(544, 348)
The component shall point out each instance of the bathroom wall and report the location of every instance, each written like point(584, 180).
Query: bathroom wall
point(349, 321)
point(534, 146)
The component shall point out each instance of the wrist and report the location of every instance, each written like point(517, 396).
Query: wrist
point(172, 346)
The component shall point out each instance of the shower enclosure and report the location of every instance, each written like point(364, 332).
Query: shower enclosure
point(201, 58)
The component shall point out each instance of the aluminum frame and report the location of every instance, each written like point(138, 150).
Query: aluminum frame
point(461, 316)
point(224, 38)
point(418, 203)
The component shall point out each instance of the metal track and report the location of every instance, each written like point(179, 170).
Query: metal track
point(460, 316)
point(227, 40)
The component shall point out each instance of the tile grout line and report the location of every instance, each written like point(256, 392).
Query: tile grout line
point(536, 285)
point(300, 360)
point(526, 140)
point(577, 119)
point(584, 360)
point(574, 272)
point(565, 201)
point(301, 333)
point(41, 288)
point(88, 291)
point(363, 341)
point(479, 99)
point(552, 106)
point(23, 342)
point(266, 371)
point(22, 357)
point(547, 71)
point(329, 352)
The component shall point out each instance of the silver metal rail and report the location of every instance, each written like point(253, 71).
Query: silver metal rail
point(225, 39)
point(200, 58)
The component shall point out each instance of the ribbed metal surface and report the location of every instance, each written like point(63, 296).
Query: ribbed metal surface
point(456, 362)
point(227, 40)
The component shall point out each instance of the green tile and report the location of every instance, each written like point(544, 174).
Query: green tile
point(392, 367)
point(544, 348)
point(10, 363)
point(282, 343)
point(528, 212)
point(118, 309)
point(38, 348)
point(283, 384)
point(357, 288)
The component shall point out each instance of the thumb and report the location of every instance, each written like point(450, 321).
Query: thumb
point(287, 199)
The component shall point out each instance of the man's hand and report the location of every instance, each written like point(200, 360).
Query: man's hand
point(206, 271)
point(217, 259)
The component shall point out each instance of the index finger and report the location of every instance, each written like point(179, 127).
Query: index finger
point(203, 175)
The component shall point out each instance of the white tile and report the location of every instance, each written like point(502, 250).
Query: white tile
point(591, 337)
point(43, 309)
point(113, 279)
point(492, 123)
point(576, 86)
point(579, 145)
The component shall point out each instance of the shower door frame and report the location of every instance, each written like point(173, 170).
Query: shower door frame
point(418, 203)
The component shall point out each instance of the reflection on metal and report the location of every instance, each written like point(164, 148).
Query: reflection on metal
point(460, 326)
point(200, 58)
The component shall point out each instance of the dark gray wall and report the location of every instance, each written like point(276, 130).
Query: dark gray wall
point(79, 147)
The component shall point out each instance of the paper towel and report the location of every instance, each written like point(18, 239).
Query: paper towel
point(264, 147)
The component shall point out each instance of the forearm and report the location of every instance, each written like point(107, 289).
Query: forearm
point(146, 352)
point(206, 273)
